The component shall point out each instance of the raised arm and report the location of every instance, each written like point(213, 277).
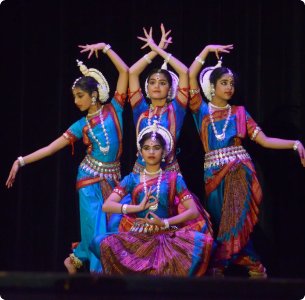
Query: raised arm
point(177, 65)
point(49, 150)
point(138, 67)
point(275, 143)
point(200, 59)
point(120, 65)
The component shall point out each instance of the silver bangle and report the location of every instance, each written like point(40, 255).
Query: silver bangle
point(199, 59)
point(168, 57)
point(106, 48)
point(166, 223)
point(148, 60)
point(295, 145)
point(124, 209)
point(21, 161)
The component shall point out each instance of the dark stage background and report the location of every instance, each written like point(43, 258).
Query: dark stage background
point(39, 216)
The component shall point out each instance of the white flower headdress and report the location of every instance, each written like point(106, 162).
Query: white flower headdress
point(102, 87)
point(204, 79)
point(155, 128)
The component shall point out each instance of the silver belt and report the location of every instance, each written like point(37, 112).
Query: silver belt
point(98, 168)
point(222, 156)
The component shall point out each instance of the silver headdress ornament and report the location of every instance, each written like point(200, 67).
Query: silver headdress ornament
point(102, 87)
point(155, 128)
point(175, 80)
point(204, 79)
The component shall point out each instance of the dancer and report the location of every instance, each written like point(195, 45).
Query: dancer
point(163, 231)
point(101, 131)
point(168, 101)
point(232, 189)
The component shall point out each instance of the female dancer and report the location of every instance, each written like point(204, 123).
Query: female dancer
point(163, 231)
point(167, 101)
point(101, 131)
point(233, 191)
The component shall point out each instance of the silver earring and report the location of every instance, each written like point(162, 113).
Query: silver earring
point(169, 94)
point(93, 100)
point(212, 90)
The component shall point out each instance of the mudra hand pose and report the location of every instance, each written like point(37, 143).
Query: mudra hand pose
point(164, 231)
point(166, 93)
point(233, 191)
point(101, 132)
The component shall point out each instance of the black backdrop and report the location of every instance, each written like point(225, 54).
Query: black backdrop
point(39, 216)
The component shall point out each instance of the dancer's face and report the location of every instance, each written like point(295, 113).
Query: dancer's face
point(225, 88)
point(152, 152)
point(82, 99)
point(158, 86)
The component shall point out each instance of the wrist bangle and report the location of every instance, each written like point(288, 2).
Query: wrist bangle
point(295, 145)
point(166, 223)
point(21, 161)
point(148, 60)
point(168, 57)
point(124, 208)
point(106, 48)
point(201, 61)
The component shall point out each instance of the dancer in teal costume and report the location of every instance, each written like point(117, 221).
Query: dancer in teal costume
point(101, 131)
point(167, 94)
point(164, 231)
point(231, 185)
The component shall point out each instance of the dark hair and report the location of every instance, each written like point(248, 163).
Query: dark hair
point(164, 72)
point(218, 72)
point(148, 135)
point(87, 84)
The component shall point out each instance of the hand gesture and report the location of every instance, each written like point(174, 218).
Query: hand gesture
point(94, 48)
point(148, 39)
point(301, 152)
point(219, 49)
point(11, 177)
point(152, 219)
point(146, 203)
point(165, 40)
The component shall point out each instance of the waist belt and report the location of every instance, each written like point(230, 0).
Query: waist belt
point(220, 157)
point(102, 169)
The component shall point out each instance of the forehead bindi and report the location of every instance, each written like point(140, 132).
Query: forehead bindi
point(227, 77)
point(150, 142)
point(158, 77)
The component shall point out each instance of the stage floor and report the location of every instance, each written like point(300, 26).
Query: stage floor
point(15, 286)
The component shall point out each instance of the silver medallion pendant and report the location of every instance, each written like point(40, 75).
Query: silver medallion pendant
point(220, 137)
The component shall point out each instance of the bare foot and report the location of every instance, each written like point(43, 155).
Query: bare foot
point(69, 266)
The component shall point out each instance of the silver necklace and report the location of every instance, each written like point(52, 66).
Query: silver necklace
point(150, 114)
point(94, 113)
point(104, 150)
point(153, 207)
point(220, 137)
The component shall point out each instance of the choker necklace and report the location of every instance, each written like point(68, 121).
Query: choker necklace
point(219, 107)
point(152, 173)
point(153, 207)
point(95, 113)
point(219, 137)
point(104, 150)
point(151, 111)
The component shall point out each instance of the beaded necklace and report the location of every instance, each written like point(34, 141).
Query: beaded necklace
point(219, 137)
point(104, 150)
point(150, 114)
point(153, 207)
